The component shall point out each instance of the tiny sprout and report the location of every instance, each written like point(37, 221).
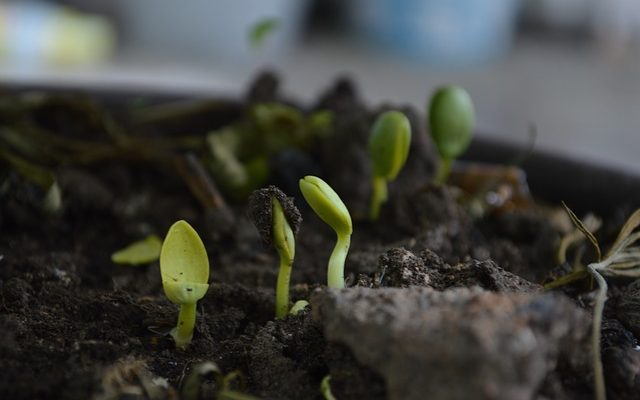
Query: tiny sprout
point(298, 307)
point(274, 213)
point(141, 252)
point(325, 388)
point(184, 267)
point(388, 149)
point(451, 120)
point(327, 204)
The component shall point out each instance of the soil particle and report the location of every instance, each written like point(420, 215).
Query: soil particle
point(621, 361)
point(287, 359)
point(261, 211)
point(421, 341)
point(628, 307)
point(402, 268)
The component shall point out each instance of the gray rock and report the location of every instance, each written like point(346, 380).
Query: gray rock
point(457, 344)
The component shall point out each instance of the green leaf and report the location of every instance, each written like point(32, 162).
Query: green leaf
point(141, 252)
point(260, 30)
point(327, 204)
point(184, 263)
point(389, 143)
point(451, 120)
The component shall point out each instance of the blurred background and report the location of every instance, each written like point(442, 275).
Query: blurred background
point(570, 67)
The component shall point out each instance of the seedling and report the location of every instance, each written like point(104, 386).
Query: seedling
point(141, 252)
point(325, 388)
point(298, 307)
point(184, 267)
point(274, 213)
point(622, 260)
point(451, 120)
point(326, 203)
point(389, 143)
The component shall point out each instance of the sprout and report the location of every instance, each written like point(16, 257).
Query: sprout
point(388, 148)
point(451, 119)
point(298, 307)
point(327, 204)
point(141, 252)
point(274, 213)
point(184, 267)
point(325, 388)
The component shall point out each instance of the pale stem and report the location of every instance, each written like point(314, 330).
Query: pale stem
point(378, 196)
point(282, 288)
point(600, 391)
point(335, 274)
point(183, 333)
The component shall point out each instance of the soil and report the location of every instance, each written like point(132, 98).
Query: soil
point(73, 325)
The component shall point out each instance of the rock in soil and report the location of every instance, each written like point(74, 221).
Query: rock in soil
point(421, 341)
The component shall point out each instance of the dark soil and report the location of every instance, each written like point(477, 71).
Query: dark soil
point(75, 326)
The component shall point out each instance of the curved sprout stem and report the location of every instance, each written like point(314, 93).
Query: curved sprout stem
point(183, 332)
point(379, 196)
point(335, 275)
point(282, 287)
point(600, 391)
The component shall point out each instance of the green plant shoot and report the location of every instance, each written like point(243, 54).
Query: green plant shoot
point(389, 143)
point(326, 203)
point(298, 307)
point(451, 120)
point(277, 219)
point(284, 242)
point(184, 267)
point(141, 252)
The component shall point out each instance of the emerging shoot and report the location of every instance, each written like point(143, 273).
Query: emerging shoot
point(326, 203)
point(451, 120)
point(184, 267)
point(389, 143)
point(298, 307)
point(274, 213)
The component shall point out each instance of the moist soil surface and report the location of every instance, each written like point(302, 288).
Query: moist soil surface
point(74, 325)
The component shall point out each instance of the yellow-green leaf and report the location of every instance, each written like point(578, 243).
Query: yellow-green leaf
point(141, 252)
point(389, 144)
point(184, 261)
point(327, 204)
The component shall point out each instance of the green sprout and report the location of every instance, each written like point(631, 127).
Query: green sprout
point(274, 213)
point(389, 143)
point(327, 204)
point(184, 267)
point(451, 120)
point(325, 388)
point(298, 307)
point(141, 252)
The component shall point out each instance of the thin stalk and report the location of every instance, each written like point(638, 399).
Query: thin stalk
point(444, 168)
point(335, 274)
point(282, 288)
point(567, 279)
point(379, 196)
point(600, 391)
point(183, 332)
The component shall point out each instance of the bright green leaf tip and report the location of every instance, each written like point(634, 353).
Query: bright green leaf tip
point(141, 252)
point(451, 120)
point(327, 204)
point(389, 143)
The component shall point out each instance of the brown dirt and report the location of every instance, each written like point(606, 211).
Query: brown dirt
point(70, 320)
